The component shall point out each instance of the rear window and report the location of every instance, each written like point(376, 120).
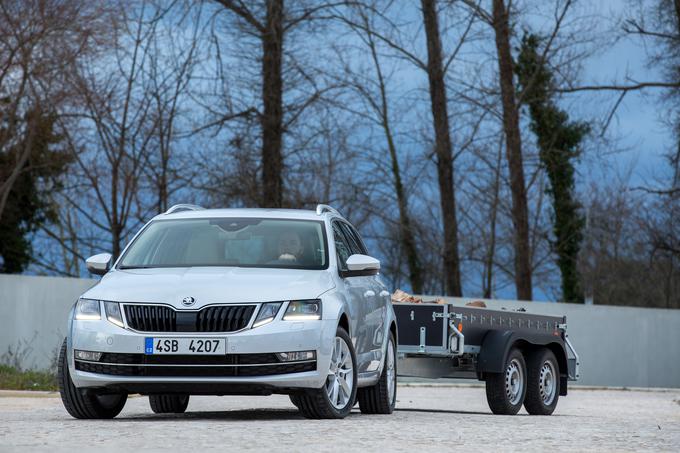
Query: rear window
point(238, 242)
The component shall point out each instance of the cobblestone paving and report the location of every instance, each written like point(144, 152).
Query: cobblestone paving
point(428, 418)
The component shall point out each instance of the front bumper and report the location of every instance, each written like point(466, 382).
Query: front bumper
point(245, 346)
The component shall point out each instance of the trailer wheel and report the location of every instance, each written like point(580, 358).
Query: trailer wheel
point(505, 391)
point(168, 403)
point(543, 382)
point(381, 397)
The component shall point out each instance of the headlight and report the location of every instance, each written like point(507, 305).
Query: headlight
point(267, 313)
point(303, 310)
point(113, 313)
point(88, 309)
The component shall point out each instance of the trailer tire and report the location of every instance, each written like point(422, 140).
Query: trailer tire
point(543, 382)
point(381, 397)
point(85, 403)
point(505, 391)
point(168, 403)
point(316, 403)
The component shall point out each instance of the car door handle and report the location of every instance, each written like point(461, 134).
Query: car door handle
point(384, 293)
point(369, 293)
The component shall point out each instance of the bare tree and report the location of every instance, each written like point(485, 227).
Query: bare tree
point(114, 134)
point(271, 25)
point(434, 66)
point(520, 210)
point(170, 66)
point(373, 91)
point(39, 39)
point(443, 149)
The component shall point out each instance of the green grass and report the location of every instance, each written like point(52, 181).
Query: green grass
point(13, 379)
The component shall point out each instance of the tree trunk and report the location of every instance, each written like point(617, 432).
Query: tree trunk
point(514, 152)
point(114, 222)
point(22, 159)
point(491, 247)
point(435, 73)
point(406, 230)
point(272, 100)
point(408, 241)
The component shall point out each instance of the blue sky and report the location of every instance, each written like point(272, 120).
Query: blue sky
point(637, 127)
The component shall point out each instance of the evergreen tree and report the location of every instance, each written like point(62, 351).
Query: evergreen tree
point(28, 203)
point(559, 141)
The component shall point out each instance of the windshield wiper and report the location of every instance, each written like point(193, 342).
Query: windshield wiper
point(135, 267)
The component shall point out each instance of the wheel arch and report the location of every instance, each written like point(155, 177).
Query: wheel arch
point(393, 331)
point(343, 321)
point(497, 344)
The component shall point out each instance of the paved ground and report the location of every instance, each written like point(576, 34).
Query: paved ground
point(427, 418)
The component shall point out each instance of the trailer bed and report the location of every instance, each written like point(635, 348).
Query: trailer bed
point(447, 340)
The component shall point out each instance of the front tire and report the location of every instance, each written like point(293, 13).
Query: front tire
point(168, 403)
point(505, 391)
point(381, 397)
point(295, 399)
point(86, 403)
point(543, 382)
point(338, 395)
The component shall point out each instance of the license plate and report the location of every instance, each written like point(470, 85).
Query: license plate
point(185, 346)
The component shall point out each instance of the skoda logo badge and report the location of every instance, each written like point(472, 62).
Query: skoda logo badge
point(188, 301)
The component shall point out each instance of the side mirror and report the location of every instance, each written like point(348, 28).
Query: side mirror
point(361, 265)
point(98, 264)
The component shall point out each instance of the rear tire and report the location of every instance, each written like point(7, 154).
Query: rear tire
point(381, 397)
point(168, 403)
point(505, 391)
point(331, 401)
point(84, 403)
point(543, 382)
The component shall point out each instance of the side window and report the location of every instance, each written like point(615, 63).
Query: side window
point(342, 249)
point(356, 244)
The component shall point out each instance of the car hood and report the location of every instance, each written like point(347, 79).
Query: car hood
point(210, 285)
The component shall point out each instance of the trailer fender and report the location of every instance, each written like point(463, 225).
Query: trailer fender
point(497, 344)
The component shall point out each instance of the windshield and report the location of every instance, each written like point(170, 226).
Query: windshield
point(241, 242)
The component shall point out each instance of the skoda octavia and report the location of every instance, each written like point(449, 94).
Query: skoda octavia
point(234, 302)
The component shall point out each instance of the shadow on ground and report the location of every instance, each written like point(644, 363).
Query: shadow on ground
point(235, 415)
point(443, 411)
point(268, 414)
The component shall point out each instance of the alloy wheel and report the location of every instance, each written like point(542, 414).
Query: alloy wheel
point(340, 380)
point(391, 375)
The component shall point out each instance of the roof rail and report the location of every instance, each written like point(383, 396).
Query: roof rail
point(183, 207)
point(321, 208)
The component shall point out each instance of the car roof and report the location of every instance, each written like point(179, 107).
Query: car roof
point(295, 214)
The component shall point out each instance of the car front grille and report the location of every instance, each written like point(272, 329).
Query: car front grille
point(161, 318)
point(229, 365)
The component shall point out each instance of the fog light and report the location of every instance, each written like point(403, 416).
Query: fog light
point(88, 355)
point(296, 356)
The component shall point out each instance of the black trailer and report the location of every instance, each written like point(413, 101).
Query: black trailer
point(525, 359)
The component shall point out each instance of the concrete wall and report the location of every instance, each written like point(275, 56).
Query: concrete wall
point(33, 313)
point(618, 346)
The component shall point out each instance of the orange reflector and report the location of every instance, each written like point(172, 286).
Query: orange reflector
point(460, 327)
